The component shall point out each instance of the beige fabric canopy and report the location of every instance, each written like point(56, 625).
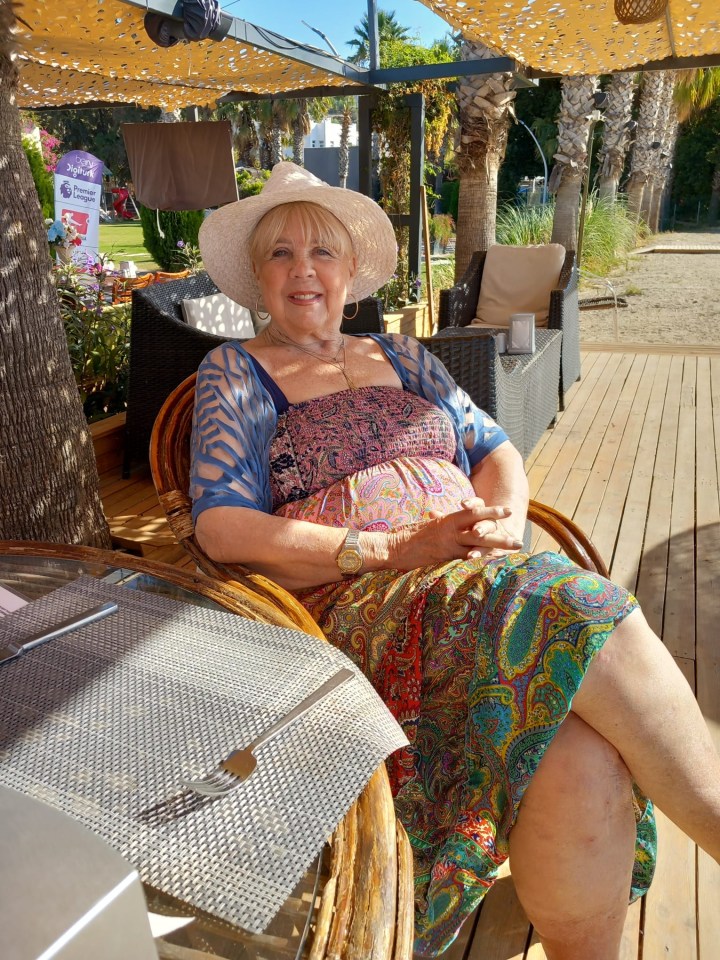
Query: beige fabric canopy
point(78, 51)
point(581, 37)
point(81, 52)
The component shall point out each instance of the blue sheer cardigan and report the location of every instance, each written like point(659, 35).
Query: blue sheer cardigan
point(235, 420)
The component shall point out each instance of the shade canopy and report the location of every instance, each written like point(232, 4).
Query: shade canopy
point(85, 51)
point(581, 37)
point(97, 51)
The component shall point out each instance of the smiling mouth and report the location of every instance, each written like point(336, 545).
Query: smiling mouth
point(304, 297)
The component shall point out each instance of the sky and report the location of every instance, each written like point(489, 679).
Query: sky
point(335, 18)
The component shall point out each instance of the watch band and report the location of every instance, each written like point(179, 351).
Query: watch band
point(350, 559)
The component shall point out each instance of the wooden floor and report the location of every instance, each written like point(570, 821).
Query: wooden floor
point(634, 459)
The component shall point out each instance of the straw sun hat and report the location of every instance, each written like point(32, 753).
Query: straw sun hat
point(225, 234)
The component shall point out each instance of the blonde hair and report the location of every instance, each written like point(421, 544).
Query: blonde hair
point(317, 223)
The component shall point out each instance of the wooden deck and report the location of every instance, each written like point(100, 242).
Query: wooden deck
point(634, 459)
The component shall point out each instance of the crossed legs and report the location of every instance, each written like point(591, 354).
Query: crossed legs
point(572, 846)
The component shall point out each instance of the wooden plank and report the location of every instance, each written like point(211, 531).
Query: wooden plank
point(669, 929)
point(606, 528)
point(679, 614)
point(628, 551)
point(592, 501)
point(653, 570)
point(502, 929)
point(567, 478)
point(708, 617)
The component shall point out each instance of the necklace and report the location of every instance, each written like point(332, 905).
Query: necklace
point(338, 361)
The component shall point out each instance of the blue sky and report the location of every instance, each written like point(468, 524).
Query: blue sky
point(336, 18)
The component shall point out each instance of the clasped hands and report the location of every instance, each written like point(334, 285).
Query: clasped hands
point(475, 530)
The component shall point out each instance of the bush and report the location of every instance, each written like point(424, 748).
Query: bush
point(176, 225)
point(98, 339)
point(250, 182)
point(43, 179)
point(610, 232)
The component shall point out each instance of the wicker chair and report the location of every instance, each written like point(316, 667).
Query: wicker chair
point(170, 466)
point(162, 276)
point(457, 309)
point(164, 350)
point(519, 392)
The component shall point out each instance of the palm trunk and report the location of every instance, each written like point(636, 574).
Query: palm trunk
point(298, 142)
point(276, 144)
point(477, 214)
point(567, 209)
point(48, 475)
point(344, 156)
point(642, 158)
point(615, 135)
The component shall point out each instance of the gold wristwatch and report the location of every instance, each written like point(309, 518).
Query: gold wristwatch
point(350, 559)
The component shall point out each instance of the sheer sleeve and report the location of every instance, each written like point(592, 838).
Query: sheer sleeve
point(233, 425)
point(476, 433)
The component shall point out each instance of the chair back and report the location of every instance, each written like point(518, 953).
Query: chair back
point(170, 467)
point(162, 276)
point(123, 287)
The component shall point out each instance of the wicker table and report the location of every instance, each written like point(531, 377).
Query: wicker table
point(519, 391)
point(357, 899)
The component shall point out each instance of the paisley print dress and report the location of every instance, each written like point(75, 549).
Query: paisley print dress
point(478, 661)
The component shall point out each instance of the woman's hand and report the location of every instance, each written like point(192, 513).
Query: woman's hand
point(476, 530)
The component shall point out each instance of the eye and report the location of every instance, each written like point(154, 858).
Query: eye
point(324, 252)
point(278, 252)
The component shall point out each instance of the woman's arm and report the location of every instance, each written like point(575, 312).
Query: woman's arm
point(499, 479)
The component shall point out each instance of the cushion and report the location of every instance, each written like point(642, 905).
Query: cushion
point(518, 280)
point(220, 315)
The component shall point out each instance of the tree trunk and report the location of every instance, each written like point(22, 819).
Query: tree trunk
point(577, 113)
point(344, 154)
point(276, 152)
point(615, 134)
point(48, 475)
point(477, 213)
point(642, 155)
point(298, 142)
point(714, 208)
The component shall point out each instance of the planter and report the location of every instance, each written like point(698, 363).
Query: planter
point(413, 320)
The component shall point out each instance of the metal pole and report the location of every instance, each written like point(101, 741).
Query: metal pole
point(373, 36)
point(542, 155)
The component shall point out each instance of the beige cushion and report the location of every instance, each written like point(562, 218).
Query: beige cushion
point(220, 315)
point(518, 280)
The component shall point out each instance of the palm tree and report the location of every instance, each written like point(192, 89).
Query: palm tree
point(275, 119)
point(577, 106)
point(666, 128)
point(349, 110)
point(642, 155)
point(484, 107)
point(695, 91)
point(616, 135)
point(48, 474)
point(244, 123)
point(388, 29)
point(300, 125)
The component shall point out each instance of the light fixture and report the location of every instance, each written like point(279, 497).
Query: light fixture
point(600, 99)
point(639, 11)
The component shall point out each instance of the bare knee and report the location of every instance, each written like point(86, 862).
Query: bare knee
point(572, 847)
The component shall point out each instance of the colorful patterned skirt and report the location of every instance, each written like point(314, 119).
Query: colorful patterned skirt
point(479, 664)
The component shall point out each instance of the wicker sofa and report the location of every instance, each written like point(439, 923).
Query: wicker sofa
point(457, 309)
point(164, 350)
point(519, 392)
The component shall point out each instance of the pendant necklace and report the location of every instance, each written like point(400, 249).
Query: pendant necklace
point(281, 339)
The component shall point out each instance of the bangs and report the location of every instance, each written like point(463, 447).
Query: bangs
point(318, 225)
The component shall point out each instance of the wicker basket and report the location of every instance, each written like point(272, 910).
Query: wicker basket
point(639, 11)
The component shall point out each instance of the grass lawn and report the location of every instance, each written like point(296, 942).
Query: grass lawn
point(124, 241)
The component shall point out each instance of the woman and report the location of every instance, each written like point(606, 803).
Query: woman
point(353, 471)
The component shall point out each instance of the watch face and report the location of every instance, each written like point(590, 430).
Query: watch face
point(349, 560)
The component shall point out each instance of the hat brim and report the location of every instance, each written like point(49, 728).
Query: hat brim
point(225, 237)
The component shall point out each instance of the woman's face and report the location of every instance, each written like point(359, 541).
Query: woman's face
point(304, 284)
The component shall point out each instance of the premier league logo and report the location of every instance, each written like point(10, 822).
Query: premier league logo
point(65, 190)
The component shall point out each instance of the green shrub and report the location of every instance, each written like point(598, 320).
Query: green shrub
point(98, 339)
point(449, 197)
point(523, 226)
point(43, 179)
point(176, 225)
point(250, 182)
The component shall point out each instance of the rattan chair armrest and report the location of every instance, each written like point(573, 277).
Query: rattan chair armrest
point(458, 303)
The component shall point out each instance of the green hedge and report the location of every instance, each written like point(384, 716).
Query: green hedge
point(44, 183)
point(176, 225)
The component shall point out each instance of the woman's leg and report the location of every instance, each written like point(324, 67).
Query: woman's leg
point(634, 695)
point(572, 846)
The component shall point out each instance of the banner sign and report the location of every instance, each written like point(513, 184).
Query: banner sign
point(78, 192)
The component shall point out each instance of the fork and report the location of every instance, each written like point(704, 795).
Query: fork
point(239, 765)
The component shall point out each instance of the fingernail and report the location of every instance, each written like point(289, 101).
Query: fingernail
point(517, 544)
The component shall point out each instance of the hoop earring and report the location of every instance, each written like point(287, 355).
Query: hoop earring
point(357, 310)
point(259, 312)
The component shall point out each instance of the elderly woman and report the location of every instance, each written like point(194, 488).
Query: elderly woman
point(352, 470)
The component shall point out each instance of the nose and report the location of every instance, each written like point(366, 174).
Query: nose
point(302, 265)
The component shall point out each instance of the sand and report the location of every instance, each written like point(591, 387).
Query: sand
point(672, 297)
